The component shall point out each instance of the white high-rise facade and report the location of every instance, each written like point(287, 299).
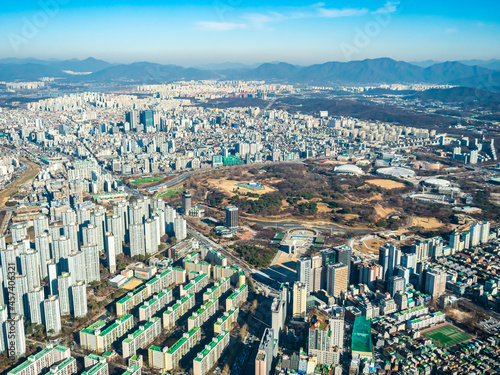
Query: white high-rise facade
point(91, 254)
point(52, 315)
point(79, 299)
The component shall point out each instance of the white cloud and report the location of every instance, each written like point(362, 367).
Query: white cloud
point(335, 13)
point(220, 26)
point(389, 7)
point(262, 20)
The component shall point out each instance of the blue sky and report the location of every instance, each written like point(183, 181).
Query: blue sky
point(197, 32)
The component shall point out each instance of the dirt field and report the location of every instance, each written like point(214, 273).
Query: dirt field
point(30, 174)
point(323, 208)
point(382, 211)
point(132, 284)
point(371, 246)
point(227, 186)
point(426, 222)
point(386, 184)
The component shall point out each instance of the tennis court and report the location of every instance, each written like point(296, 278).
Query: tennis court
point(446, 335)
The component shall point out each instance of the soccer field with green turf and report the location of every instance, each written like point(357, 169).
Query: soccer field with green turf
point(146, 180)
point(447, 335)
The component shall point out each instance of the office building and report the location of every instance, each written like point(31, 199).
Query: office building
point(435, 283)
point(186, 202)
point(232, 217)
point(336, 279)
point(389, 259)
point(396, 284)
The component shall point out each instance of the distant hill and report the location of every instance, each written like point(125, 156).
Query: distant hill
point(28, 72)
point(82, 66)
point(457, 95)
point(145, 72)
point(370, 71)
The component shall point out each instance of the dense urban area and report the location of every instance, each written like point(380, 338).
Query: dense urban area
point(247, 227)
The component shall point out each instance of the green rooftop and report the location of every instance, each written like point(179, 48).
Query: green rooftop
point(211, 346)
point(182, 340)
point(361, 336)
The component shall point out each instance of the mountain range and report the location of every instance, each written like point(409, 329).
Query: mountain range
point(370, 71)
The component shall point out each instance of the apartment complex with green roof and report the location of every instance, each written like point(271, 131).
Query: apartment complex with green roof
point(217, 289)
point(95, 365)
point(99, 338)
point(40, 362)
point(207, 310)
point(132, 370)
point(195, 285)
point(141, 337)
point(177, 310)
point(155, 304)
point(168, 358)
point(66, 367)
point(208, 357)
point(196, 266)
point(132, 299)
point(237, 298)
point(160, 281)
point(225, 322)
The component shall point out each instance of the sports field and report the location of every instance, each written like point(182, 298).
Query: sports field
point(146, 180)
point(169, 193)
point(446, 336)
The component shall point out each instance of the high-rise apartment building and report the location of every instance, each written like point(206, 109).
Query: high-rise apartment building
point(299, 304)
point(337, 279)
point(52, 314)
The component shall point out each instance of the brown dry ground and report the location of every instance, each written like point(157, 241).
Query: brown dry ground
point(386, 184)
point(383, 212)
point(371, 246)
point(426, 222)
point(132, 284)
point(227, 186)
point(13, 187)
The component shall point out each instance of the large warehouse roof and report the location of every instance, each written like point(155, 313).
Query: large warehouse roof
point(396, 172)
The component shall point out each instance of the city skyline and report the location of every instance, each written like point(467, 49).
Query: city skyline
point(301, 33)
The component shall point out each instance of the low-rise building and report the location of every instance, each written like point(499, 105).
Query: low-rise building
point(208, 357)
point(99, 338)
point(141, 337)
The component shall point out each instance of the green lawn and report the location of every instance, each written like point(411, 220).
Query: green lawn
point(146, 180)
point(447, 336)
point(169, 193)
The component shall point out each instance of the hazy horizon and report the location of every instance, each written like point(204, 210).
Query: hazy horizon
point(198, 33)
